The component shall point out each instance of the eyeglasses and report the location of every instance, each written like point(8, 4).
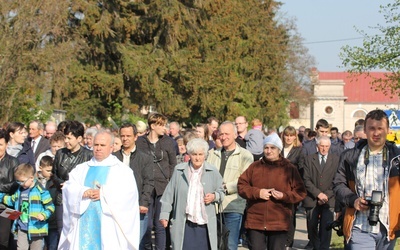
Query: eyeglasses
point(21, 183)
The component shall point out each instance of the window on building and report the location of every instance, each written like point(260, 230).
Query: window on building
point(294, 110)
point(328, 110)
point(359, 114)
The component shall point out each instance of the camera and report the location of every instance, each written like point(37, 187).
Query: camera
point(336, 225)
point(375, 202)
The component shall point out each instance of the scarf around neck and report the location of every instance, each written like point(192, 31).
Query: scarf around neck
point(195, 207)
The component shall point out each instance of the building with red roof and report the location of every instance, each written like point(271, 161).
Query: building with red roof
point(342, 98)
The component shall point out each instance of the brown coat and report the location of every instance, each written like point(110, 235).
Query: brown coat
point(271, 215)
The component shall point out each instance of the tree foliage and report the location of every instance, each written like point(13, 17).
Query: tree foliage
point(30, 34)
point(190, 59)
point(379, 52)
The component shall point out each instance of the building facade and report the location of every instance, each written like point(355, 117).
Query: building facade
point(342, 99)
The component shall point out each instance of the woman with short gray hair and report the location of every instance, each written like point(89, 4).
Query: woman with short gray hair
point(197, 145)
point(189, 200)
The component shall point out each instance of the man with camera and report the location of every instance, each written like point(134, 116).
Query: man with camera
point(367, 184)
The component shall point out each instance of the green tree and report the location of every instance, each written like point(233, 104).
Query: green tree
point(378, 52)
point(32, 39)
point(194, 59)
point(189, 59)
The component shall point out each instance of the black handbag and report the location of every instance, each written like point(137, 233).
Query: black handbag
point(222, 232)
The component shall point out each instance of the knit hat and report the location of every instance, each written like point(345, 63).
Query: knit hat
point(273, 139)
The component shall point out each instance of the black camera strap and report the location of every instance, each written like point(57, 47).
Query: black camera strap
point(155, 160)
point(385, 165)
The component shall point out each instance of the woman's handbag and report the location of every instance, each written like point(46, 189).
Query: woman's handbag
point(222, 231)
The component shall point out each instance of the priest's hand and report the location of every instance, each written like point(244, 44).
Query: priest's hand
point(95, 194)
point(87, 194)
point(164, 223)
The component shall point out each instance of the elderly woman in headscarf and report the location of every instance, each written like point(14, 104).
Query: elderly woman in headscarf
point(271, 186)
point(190, 198)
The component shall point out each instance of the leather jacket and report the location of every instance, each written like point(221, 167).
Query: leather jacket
point(64, 162)
point(7, 181)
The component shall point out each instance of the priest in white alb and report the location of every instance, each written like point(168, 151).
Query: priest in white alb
point(100, 201)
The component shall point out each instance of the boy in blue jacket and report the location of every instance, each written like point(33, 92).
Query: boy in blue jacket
point(36, 205)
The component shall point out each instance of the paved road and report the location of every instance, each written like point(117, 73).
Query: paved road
point(300, 237)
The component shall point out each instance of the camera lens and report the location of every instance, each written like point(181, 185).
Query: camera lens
point(373, 217)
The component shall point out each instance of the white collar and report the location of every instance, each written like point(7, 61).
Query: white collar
point(110, 161)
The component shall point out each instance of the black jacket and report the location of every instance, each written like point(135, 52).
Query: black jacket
point(64, 162)
point(345, 178)
point(164, 154)
point(345, 183)
point(7, 181)
point(142, 166)
point(26, 154)
point(293, 156)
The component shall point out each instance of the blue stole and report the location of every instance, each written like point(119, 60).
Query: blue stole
point(90, 220)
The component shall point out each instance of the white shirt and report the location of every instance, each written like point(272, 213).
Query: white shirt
point(127, 158)
point(37, 140)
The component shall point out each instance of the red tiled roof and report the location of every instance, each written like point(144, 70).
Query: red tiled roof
point(358, 88)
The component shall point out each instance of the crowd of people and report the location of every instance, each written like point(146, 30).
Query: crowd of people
point(160, 186)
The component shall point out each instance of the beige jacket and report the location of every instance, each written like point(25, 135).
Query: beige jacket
point(237, 163)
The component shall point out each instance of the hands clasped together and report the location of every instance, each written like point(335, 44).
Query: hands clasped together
point(322, 198)
point(93, 194)
point(266, 193)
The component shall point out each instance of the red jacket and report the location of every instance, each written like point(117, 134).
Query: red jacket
point(271, 215)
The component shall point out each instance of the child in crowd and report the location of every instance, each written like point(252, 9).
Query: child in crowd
point(57, 141)
point(36, 205)
point(44, 177)
point(254, 139)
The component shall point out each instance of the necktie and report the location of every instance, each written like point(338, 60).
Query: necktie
point(322, 161)
point(33, 145)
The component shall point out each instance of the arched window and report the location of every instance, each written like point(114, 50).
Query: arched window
point(359, 114)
